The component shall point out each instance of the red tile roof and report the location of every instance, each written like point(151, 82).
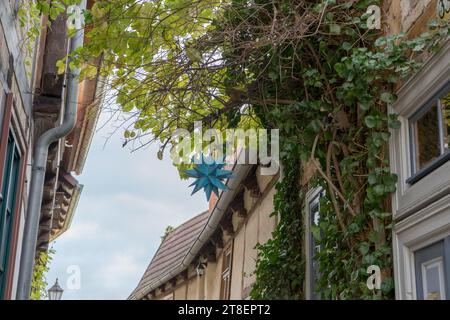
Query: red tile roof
point(171, 252)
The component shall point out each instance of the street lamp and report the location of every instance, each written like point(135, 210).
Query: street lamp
point(55, 292)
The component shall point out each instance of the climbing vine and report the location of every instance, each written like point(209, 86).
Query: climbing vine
point(39, 282)
point(29, 15)
point(335, 136)
point(281, 261)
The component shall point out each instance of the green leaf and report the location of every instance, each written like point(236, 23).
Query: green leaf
point(193, 54)
point(340, 68)
point(61, 66)
point(315, 125)
point(353, 228)
point(379, 189)
point(380, 42)
point(346, 46)
point(394, 124)
point(371, 122)
point(419, 47)
point(160, 154)
point(335, 28)
point(364, 248)
point(372, 178)
point(387, 97)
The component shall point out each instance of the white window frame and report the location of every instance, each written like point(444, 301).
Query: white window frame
point(421, 211)
point(310, 196)
point(444, 155)
point(411, 97)
point(438, 262)
point(428, 226)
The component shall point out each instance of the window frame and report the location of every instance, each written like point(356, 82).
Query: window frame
point(434, 101)
point(312, 200)
point(423, 229)
point(438, 251)
point(11, 160)
point(416, 92)
point(10, 125)
point(226, 272)
point(421, 211)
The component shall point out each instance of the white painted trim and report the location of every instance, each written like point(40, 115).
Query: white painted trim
point(439, 262)
point(427, 226)
point(310, 196)
point(413, 95)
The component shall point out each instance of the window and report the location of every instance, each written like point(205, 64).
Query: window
point(432, 268)
point(313, 248)
point(429, 135)
point(226, 272)
point(7, 203)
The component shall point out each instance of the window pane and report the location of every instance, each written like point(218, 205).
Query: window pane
point(229, 260)
point(427, 138)
point(433, 280)
point(314, 213)
point(430, 271)
point(445, 105)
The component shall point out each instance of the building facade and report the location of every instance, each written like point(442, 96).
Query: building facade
point(32, 98)
point(213, 255)
point(419, 153)
point(219, 259)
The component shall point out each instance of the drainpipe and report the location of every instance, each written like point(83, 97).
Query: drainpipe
point(70, 101)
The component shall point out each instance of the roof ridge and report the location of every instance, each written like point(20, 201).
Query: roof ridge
point(167, 242)
point(189, 220)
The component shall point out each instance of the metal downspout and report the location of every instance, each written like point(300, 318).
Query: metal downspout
point(38, 171)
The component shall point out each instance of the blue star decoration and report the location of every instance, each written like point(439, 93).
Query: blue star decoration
point(209, 176)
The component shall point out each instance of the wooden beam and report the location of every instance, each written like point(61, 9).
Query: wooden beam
point(237, 206)
point(47, 105)
point(227, 224)
point(217, 239)
point(211, 256)
point(251, 184)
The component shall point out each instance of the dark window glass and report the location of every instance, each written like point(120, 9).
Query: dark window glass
point(432, 271)
point(8, 192)
point(427, 138)
point(430, 136)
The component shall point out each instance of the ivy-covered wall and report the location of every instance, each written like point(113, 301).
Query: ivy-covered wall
point(340, 82)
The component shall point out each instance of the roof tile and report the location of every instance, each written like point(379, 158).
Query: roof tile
point(172, 250)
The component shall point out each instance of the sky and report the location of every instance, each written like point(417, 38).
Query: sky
point(127, 202)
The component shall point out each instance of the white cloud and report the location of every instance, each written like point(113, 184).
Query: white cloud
point(82, 230)
point(127, 202)
point(119, 269)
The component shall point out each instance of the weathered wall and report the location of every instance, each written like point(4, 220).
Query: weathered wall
point(237, 266)
point(212, 281)
point(180, 293)
point(255, 228)
point(15, 78)
point(410, 16)
point(192, 288)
